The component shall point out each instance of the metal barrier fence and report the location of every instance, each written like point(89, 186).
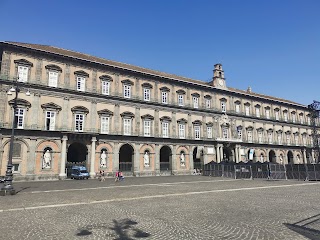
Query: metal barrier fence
point(263, 170)
point(125, 166)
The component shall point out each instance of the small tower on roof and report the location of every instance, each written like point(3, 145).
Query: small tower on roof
point(218, 76)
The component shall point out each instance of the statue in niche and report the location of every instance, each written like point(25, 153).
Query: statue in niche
point(281, 159)
point(103, 159)
point(46, 162)
point(182, 160)
point(146, 159)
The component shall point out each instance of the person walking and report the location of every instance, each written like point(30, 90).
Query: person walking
point(121, 177)
point(117, 176)
point(103, 176)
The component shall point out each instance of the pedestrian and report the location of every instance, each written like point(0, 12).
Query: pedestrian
point(121, 177)
point(103, 176)
point(117, 176)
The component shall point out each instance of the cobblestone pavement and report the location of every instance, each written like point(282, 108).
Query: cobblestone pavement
point(181, 207)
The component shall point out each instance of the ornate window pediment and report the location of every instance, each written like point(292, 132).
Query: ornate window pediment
point(80, 109)
point(127, 82)
point(23, 62)
point(105, 112)
point(127, 115)
point(165, 89)
point(51, 105)
point(209, 124)
point(296, 133)
point(279, 131)
point(260, 129)
point(20, 102)
point(106, 78)
point(276, 109)
point(146, 85)
point(246, 104)
point(257, 105)
point(53, 67)
point(81, 73)
point(197, 122)
point(182, 120)
point(147, 116)
point(285, 111)
point(249, 128)
point(195, 95)
point(301, 114)
point(165, 118)
point(207, 97)
point(223, 99)
point(288, 132)
point(181, 92)
point(267, 108)
point(237, 102)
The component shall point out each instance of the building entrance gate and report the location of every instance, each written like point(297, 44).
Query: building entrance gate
point(77, 156)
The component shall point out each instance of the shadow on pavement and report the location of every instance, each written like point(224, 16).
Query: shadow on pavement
point(123, 230)
point(309, 227)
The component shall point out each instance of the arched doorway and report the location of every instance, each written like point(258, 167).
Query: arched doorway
point(126, 158)
point(272, 156)
point(290, 157)
point(228, 155)
point(196, 158)
point(165, 159)
point(77, 156)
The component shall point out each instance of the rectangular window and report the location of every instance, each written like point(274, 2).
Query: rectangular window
point(146, 94)
point(19, 118)
point(81, 83)
point(249, 133)
point(195, 102)
point(50, 120)
point(209, 132)
point(285, 116)
point(247, 110)
point(147, 128)
point(267, 113)
point(23, 74)
point(237, 108)
point(126, 91)
point(260, 137)
point(239, 130)
point(270, 137)
point(164, 96)
point(165, 129)
point(293, 117)
point(53, 79)
point(79, 122)
point(258, 112)
point(276, 115)
point(182, 133)
point(105, 87)
point(127, 126)
point(105, 122)
point(208, 103)
point(180, 100)
point(225, 134)
point(223, 106)
point(16, 167)
point(197, 132)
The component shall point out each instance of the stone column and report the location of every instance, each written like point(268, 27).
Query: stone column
point(117, 122)
point(93, 157)
point(136, 161)
point(218, 153)
point(39, 79)
point(237, 154)
point(305, 156)
point(173, 159)
point(221, 152)
point(191, 164)
point(115, 164)
point(67, 77)
point(63, 157)
point(157, 160)
point(31, 157)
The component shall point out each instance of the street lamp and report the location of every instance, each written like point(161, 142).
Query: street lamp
point(8, 188)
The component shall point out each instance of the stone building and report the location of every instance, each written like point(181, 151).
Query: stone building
point(109, 115)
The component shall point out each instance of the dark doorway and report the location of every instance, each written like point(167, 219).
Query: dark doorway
point(165, 158)
point(196, 158)
point(77, 156)
point(272, 157)
point(227, 154)
point(290, 157)
point(126, 158)
point(254, 159)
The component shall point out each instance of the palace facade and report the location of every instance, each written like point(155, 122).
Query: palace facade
point(76, 109)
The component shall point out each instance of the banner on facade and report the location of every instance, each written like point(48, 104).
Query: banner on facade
point(251, 152)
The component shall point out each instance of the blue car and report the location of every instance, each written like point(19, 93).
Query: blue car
point(79, 172)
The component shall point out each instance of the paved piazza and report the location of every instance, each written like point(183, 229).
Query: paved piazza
point(176, 207)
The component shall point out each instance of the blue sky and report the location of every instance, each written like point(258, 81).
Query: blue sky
point(271, 45)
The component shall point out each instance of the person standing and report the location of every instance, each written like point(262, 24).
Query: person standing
point(103, 176)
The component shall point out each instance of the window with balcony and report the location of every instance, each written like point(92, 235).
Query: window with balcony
point(197, 132)
point(223, 106)
point(147, 128)
point(180, 100)
point(182, 132)
point(146, 94)
point(195, 101)
point(81, 84)
point(19, 118)
point(50, 120)
point(209, 132)
point(105, 124)
point(126, 91)
point(79, 122)
point(165, 129)
point(105, 87)
point(164, 97)
point(127, 126)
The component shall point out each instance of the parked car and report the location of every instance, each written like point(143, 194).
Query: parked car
point(79, 172)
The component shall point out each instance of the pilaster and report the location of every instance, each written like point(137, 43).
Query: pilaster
point(115, 164)
point(93, 157)
point(31, 157)
point(156, 122)
point(157, 159)
point(136, 161)
point(39, 79)
point(94, 81)
point(64, 113)
point(5, 64)
point(63, 157)
point(117, 123)
point(138, 121)
point(93, 116)
point(67, 76)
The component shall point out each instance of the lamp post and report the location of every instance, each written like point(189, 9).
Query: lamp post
point(8, 188)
